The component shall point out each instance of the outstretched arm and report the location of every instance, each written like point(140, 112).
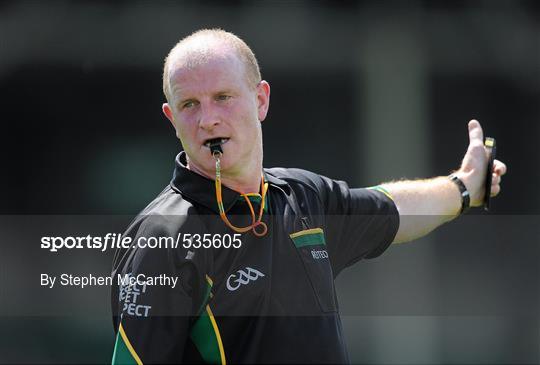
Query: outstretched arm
point(424, 205)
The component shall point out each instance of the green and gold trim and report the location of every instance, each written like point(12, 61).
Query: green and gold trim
point(382, 190)
point(255, 198)
point(124, 353)
point(308, 237)
point(207, 294)
point(207, 338)
point(205, 331)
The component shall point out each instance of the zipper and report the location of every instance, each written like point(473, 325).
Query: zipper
point(305, 222)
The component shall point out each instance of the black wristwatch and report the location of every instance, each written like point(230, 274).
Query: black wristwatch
point(465, 197)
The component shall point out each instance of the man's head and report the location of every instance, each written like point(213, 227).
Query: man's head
point(213, 87)
point(200, 45)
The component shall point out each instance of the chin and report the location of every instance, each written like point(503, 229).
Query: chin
point(229, 167)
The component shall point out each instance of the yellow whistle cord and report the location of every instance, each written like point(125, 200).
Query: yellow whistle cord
point(258, 227)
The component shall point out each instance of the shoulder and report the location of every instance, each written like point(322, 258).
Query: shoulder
point(324, 187)
point(168, 202)
point(167, 217)
point(164, 220)
point(158, 215)
point(299, 178)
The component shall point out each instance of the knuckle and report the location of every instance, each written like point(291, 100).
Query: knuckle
point(479, 145)
point(476, 145)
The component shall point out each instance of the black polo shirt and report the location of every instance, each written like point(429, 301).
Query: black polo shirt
point(272, 300)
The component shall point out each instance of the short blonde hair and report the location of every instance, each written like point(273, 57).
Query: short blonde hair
point(204, 36)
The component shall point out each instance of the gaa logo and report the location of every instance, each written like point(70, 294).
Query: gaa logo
point(317, 255)
point(243, 277)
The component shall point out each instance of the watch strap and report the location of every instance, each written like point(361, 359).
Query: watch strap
point(465, 197)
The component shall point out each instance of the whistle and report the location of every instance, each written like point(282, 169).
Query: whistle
point(491, 148)
point(215, 147)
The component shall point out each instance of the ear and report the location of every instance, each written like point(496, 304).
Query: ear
point(263, 99)
point(168, 112)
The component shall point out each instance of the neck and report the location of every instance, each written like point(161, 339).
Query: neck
point(245, 183)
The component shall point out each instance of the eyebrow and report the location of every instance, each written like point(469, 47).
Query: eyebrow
point(223, 91)
point(185, 100)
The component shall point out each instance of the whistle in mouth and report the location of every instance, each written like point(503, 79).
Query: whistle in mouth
point(215, 147)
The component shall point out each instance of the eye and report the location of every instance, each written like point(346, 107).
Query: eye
point(223, 97)
point(188, 104)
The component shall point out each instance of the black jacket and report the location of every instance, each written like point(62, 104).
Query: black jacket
point(272, 300)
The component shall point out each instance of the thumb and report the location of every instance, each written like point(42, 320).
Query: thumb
point(476, 135)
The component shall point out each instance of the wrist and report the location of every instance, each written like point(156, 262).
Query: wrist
point(470, 180)
point(465, 177)
point(460, 182)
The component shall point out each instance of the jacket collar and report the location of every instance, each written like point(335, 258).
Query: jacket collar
point(202, 190)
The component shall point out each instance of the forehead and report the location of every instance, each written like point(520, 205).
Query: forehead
point(205, 73)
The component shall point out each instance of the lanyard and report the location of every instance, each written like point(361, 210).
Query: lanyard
point(255, 222)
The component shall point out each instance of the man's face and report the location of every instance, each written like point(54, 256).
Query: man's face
point(213, 100)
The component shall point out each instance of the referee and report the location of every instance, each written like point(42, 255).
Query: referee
point(260, 247)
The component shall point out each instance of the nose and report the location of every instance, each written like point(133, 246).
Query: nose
point(209, 119)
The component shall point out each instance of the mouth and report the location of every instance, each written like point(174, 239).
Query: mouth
point(215, 141)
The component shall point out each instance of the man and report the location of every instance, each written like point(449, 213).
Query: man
point(271, 297)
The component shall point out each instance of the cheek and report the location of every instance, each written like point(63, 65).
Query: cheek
point(246, 115)
point(230, 113)
point(185, 131)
